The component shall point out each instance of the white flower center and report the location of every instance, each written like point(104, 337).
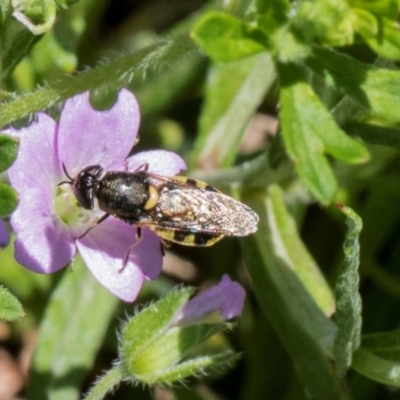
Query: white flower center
point(71, 213)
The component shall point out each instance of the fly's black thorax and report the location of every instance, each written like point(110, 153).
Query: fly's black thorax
point(123, 194)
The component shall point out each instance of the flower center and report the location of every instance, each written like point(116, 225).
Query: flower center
point(71, 213)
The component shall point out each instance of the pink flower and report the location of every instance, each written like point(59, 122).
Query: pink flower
point(48, 220)
point(170, 350)
point(226, 299)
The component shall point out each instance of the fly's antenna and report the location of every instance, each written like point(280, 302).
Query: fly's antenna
point(70, 182)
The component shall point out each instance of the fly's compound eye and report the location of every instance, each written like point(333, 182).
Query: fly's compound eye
point(84, 189)
point(84, 197)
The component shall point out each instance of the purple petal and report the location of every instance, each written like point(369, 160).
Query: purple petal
point(36, 164)
point(161, 162)
point(44, 244)
point(104, 248)
point(88, 137)
point(227, 298)
point(148, 254)
point(4, 235)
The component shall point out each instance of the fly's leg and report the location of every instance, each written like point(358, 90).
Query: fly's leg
point(142, 167)
point(164, 244)
point(131, 247)
point(98, 222)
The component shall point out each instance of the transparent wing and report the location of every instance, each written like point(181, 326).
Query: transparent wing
point(197, 207)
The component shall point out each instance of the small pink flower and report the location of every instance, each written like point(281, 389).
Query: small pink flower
point(226, 299)
point(48, 220)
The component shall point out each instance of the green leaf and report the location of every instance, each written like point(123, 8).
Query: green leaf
point(348, 300)
point(377, 368)
point(346, 111)
point(38, 16)
point(159, 362)
point(388, 45)
point(383, 344)
point(5, 19)
point(153, 350)
point(113, 75)
point(303, 144)
point(233, 93)
point(5, 7)
point(200, 365)
point(365, 23)
point(327, 21)
point(272, 14)
point(297, 256)
point(383, 37)
point(375, 134)
point(143, 329)
point(10, 307)
point(380, 368)
point(22, 43)
point(72, 330)
point(303, 329)
point(8, 151)
point(274, 19)
point(375, 89)
point(380, 8)
point(8, 200)
point(226, 38)
point(113, 377)
point(302, 117)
